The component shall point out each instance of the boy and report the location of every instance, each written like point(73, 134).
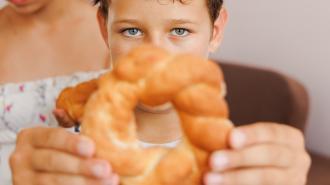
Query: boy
point(261, 153)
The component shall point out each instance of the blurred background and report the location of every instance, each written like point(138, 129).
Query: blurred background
point(2, 3)
point(292, 37)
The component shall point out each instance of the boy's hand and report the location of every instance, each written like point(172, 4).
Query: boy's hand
point(261, 154)
point(53, 156)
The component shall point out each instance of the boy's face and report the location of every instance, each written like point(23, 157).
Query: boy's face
point(174, 26)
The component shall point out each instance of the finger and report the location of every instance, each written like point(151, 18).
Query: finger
point(63, 118)
point(254, 176)
point(262, 133)
point(57, 139)
point(59, 162)
point(61, 179)
point(20, 169)
point(254, 156)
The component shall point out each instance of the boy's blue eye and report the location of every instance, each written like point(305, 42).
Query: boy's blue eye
point(132, 32)
point(181, 32)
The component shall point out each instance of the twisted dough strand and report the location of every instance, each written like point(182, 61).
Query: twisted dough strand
point(152, 76)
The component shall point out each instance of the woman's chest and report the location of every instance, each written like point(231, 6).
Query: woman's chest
point(33, 58)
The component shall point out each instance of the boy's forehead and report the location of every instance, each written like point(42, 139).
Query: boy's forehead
point(159, 2)
point(156, 7)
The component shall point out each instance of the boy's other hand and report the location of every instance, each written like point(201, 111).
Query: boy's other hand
point(54, 156)
point(261, 154)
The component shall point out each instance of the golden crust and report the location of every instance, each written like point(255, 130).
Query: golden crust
point(152, 76)
point(73, 100)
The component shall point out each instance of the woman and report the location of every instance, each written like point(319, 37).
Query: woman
point(41, 42)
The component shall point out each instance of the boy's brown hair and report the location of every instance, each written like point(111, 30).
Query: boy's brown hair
point(214, 7)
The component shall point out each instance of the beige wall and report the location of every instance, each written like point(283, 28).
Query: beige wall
point(292, 36)
point(2, 3)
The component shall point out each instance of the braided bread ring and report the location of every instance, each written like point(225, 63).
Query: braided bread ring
point(152, 76)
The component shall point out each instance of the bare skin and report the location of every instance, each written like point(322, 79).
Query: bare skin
point(49, 41)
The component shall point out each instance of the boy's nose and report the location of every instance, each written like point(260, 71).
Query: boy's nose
point(160, 42)
point(156, 40)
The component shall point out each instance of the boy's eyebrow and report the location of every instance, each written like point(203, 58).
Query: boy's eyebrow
point(172, 21)
point(126, 21)
point(180, 21)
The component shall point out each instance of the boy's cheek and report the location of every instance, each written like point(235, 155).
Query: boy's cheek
point(120, 47)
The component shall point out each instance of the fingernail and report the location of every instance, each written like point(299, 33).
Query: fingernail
point(107, 182)
point(213, 178)
point(85, 147)
point(219, 161)
point(101, 169)
point(238, 139)
point(114, 180)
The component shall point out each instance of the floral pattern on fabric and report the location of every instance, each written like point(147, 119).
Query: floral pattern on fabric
point(30, 104)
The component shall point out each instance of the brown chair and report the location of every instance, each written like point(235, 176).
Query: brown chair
point(256, 94)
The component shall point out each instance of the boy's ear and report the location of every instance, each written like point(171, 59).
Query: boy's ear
point(103, 26)
point(218, 30)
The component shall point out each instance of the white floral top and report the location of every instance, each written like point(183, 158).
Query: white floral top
point(24, 105)
point(29, 104)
